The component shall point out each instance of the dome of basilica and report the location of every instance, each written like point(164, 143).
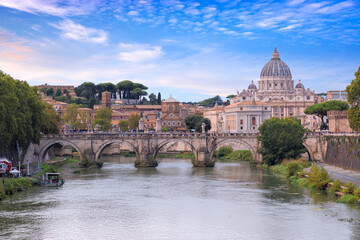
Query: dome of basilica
point(252, 85)
point(275, 68)
point(299, 85)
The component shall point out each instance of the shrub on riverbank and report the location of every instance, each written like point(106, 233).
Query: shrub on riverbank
point(318, 178)
point(348, 199)
point(223, 151)
point(47, 169)
point(289, 167)
point(14, 185)
point(336, 186)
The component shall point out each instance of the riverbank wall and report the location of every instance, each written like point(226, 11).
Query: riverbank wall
point(343, 151)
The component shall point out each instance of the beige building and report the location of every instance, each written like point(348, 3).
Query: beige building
point(276, 88)
point(338, 122)
point(245, 116)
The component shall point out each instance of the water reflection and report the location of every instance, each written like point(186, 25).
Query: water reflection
point(175, 201)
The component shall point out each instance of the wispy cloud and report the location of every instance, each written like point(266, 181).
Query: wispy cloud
point(79, 32)
point(52, 7)
point(12, 47)
point(137, 53)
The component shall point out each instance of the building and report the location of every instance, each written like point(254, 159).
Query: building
point(170, 115)
point(336, 95)
point(106, 99)
point(244, 116)
point(276, 89)
point(68, 88)
point(338, 122)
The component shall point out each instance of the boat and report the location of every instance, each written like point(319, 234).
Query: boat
point(51, 180)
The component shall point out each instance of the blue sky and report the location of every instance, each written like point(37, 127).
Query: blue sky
point(190, 49)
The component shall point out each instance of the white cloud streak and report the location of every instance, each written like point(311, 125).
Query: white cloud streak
point(81, 33)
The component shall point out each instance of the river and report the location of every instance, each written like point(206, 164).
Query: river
point(175, 201)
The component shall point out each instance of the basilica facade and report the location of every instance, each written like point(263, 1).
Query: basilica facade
point(275, 96)
point(276, 88)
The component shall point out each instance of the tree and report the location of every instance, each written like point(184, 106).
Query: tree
point(137, 93)
point(195, 121)
point(125, 87)
point(103, 118)
point(281, 139)
point(231, 96)
point(58, 93)
point(51, 120)
point(124, 125)
point(71, 116)
point(87, 90)
point(152, 98)
point(353, 97)
point(321, 109)
point(134, 121)
point(21, 117)
point(159, 98)
point(210, 102)
point(50, 92)
point(65, 91)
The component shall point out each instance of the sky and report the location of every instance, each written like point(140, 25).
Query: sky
point(190, 49)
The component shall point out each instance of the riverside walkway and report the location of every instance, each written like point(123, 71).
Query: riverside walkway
point(344, 175)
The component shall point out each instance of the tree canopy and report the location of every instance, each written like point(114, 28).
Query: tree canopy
point(103, 118)
point(281, 139)
point(22, 116)
point(195, 121)
point(134, 119)
point(321, 109)
point(124, 125)
point(210, 102)
point(353, 97)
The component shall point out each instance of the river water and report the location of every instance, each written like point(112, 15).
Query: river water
point(175, 201)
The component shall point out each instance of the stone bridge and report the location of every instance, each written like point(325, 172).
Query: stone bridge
point(147, 145)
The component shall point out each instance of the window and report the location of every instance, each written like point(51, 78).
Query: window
point(164, 123)
point(241, 121)
point(178, 123)
point(241, 109)
point(173, 123)
point(290, 109)
point(308, 97)
point(281, 85)
point(299, 91)
point(171, 115)
point(241, 128)
point(269, 85)
point(253, 120)
point(170, 108)
point(244, 98)
point(275, 85)
point(169, 123)
point(282, 110)
point(275, 109)
point(265, 108)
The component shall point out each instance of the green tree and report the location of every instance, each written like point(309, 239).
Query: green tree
point(321, 109)
point(124, 125)
point(71, 116)
point(21, 117)
point(58, 93)
point(231, 96)
point(65, 91)
point(159, 99)
point(103, 118)
point(281, 139)
point(210, 102)
point(125, 87)
point(87, 90)
point(353, 97)
point(195, 121)
point(134, 121)
point(50, 92)
point(166, 129)
point(152, 98)
point(51, 120)
point(137, 93)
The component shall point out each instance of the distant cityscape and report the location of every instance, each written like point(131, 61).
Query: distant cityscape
point(275, 96)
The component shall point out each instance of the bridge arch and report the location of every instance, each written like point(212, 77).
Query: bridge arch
point(162, 144)
point(62, 142)
point(309, 151)
point(233, 143)
point(110, 142)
